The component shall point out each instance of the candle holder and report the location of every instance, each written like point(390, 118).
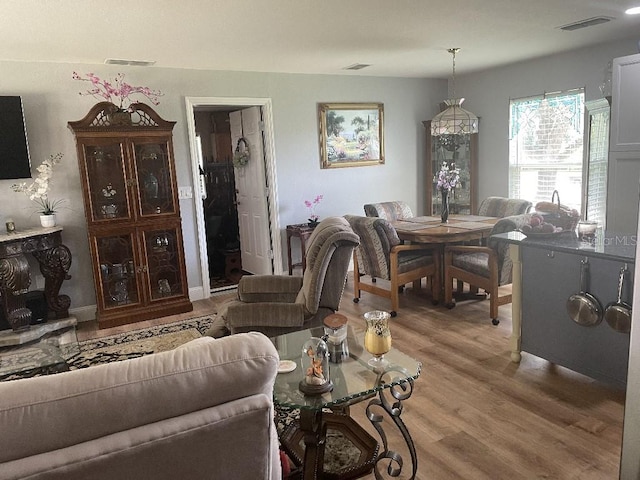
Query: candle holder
point(377, 338)
point(335, 331)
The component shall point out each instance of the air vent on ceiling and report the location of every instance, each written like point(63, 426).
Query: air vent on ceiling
point(589, 22)
point(135, 63)
point(357, 66)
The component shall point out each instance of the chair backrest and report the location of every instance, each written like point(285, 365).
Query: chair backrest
point(328, 253)
point(391, 211)
point(506, 224)
point(503, 207)
point(377, 237)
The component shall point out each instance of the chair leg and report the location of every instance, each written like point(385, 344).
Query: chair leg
point(356, 279)
point(448, 282)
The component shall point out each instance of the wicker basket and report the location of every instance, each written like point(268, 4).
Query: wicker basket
point(561, 218)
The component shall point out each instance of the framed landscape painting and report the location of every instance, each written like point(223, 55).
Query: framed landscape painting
point(351, 134)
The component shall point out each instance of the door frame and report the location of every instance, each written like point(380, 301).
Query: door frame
point(270, 174)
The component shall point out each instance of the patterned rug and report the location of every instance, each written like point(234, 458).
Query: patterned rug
point(132, 344)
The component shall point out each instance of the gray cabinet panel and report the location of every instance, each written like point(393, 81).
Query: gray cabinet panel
point(625, 123)
point(548, 279)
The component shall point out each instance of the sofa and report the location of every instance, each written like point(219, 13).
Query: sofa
point(201, 411)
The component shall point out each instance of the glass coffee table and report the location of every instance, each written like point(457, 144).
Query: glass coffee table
point(354, 381)
point(43, 349)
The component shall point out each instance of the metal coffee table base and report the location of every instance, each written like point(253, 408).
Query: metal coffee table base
point(313, 427)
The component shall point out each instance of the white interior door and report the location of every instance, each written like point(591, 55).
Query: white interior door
point(252, 193)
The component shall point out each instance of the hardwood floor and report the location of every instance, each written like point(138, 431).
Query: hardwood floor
point(474, 414)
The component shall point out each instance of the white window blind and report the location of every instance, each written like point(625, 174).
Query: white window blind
point(546, 147)
point(597, 157)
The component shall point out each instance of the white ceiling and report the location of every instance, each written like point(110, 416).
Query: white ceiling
point(399, 38)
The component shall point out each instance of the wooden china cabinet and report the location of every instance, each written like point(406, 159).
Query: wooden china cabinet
point(461, 150)
point(131, 204)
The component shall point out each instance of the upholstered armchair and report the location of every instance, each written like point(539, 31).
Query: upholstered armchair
point(503, 207)
point(381, 255)
point(391, 211)
point(278, 304)
point(487, 267)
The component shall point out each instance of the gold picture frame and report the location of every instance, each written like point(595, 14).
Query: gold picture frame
point(351, 134)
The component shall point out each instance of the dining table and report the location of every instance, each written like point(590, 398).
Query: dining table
point(432, 230)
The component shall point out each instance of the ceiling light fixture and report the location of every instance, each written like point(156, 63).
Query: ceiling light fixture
point(454, 120)
point(633, 11)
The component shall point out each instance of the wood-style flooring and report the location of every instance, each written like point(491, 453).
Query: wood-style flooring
point(474, 414)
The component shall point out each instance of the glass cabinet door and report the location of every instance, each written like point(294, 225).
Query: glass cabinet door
point(162, 250)
point(118, 279)
point(105, 172)
point(452, 149)
point(152, 166)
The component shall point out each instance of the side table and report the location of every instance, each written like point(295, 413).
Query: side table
point(384, 391)
point(302, 231)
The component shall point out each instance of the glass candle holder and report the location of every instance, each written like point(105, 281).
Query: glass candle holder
point(315, 367)
point(335, 331)
point(377, 338)
point(335, 328)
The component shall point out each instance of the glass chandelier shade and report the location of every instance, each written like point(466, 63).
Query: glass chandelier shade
point(454, 120)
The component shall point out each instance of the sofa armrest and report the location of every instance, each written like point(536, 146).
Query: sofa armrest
point(269, 288)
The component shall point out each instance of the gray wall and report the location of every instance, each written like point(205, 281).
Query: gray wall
point(488, 94)
point(51, 99)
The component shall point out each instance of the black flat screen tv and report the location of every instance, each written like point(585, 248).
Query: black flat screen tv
point(14, 149)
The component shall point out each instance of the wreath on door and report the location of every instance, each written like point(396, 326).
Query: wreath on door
point(242, 154)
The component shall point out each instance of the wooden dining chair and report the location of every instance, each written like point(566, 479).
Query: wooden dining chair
point(391, 211)
point(503, 207)
point(381, 255)
point(487, 267)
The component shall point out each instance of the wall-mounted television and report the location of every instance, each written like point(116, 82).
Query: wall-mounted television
point(14, 148)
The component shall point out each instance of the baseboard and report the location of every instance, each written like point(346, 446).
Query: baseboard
point(83, 314)
point(88, 313)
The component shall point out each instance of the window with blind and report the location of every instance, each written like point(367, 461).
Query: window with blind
point(595, 198)
point(546, 138)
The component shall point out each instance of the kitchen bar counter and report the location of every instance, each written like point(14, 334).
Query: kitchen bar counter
point(612, 246)
point(546, 272)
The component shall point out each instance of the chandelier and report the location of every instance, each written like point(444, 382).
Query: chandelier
point(454, 120)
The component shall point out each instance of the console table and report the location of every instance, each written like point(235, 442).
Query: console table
point(302, 231)
point(54, 258)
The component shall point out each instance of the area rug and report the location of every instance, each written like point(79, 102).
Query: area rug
point(137, 343)
point(132, 344)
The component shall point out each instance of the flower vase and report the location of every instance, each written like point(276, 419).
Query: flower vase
point(48, 220)
point(313, 223)
point(444, 213)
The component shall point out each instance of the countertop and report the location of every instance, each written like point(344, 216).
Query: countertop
point(608, 245)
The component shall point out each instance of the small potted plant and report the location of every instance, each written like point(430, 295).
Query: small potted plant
point(38, 191)
point(311, 205)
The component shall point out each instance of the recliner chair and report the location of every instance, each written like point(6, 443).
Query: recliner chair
point(279, 304)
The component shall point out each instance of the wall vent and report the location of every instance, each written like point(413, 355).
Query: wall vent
point(589, 22)
point(134, 63)
point(357, 66)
